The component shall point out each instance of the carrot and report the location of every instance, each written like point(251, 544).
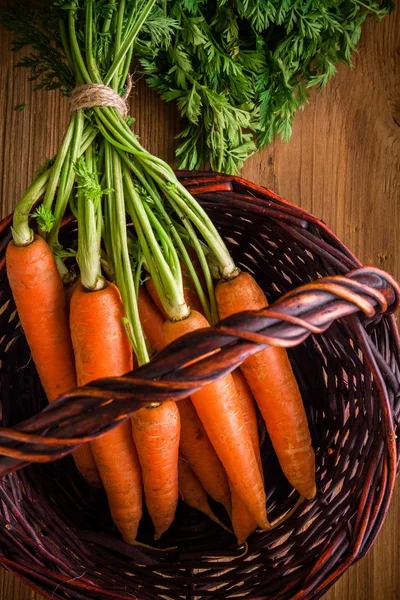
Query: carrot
point(249, 410)
point(198, 451)
point(271, 379)
point(152, 290)
point(40, 299)
point(194, 443)
point(39, 296)
point(102, 349)
point(151, 319)
point(86, 465)
point(83, 456)
point(192, 491)
point(156, 434)
point(243, 522)
point(218, 407)
point(164, 422)
point(189, 289)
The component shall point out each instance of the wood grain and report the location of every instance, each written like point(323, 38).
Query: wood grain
point(342, 164)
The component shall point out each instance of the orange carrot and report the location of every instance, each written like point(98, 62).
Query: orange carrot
point(243, 522)
point(218, 407)
point(83, 456)
point(248, 407)
point(86, 465)
point(40, 300)
point(189, 289)
point(193, 493)
point(194, 442)
point(156, 434)
point(152, 290)
point(151, 319)
point(102, 349)
point(198, 451)
point(271, 379)
point(41, 303)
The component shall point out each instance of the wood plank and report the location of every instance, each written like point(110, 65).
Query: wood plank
point(342, 164)
point(12, 589)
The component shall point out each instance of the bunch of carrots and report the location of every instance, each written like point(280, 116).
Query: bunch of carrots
point(148, 268)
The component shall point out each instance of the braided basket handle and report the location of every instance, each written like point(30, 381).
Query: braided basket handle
point(92, 410)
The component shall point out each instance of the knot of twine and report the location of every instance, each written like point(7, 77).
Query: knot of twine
point(91, 95)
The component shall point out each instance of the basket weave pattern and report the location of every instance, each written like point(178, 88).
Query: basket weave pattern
point(56, 533)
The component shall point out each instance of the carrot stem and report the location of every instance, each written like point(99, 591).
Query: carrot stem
point(57, 166)
point(128, 41)
point(149, 186)
point(164, 269)
point(118, 37)
point(91, 63)
point(82, 75)
point(118, 243)
point(67, 178)
point(89, 193)
point(21, 232)
point(194, 240)
point(123, 138)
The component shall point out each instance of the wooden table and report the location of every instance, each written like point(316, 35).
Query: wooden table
point(342, 164)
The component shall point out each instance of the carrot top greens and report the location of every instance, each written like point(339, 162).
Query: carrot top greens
point(238, 71)
point(128, 203)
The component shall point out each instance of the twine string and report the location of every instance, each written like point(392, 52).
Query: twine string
point(91, 95)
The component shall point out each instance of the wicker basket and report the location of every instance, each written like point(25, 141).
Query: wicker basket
point(57, 535)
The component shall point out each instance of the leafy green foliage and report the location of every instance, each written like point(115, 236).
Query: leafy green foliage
point(36, 26)
point(87, 183)
point(44, 218)
point(39, 27)
point(240, 70)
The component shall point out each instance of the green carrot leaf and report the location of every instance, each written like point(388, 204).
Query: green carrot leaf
point(44, 218)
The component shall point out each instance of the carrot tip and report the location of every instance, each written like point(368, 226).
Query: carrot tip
point(245, 551)
point(129, 540)
point(214, 518)
point(311, 494)
point(240, 540)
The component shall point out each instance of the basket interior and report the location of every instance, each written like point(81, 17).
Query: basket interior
point(61, 526)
